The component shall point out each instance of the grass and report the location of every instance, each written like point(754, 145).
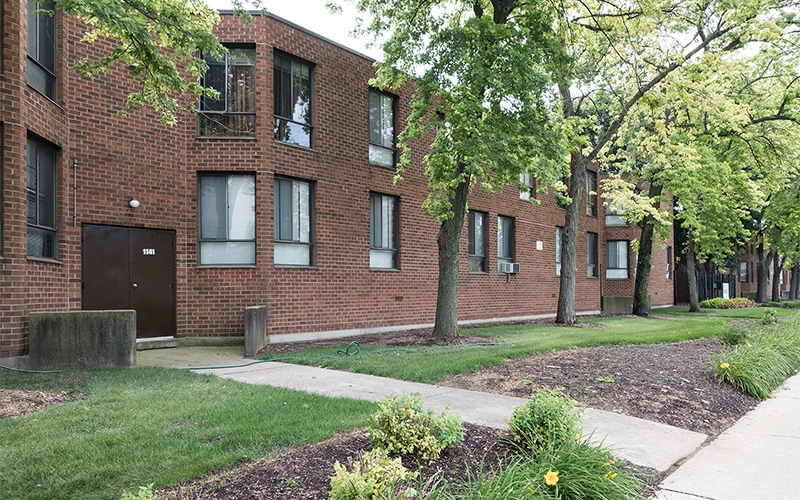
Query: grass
point(139, 426)
point(516, 341)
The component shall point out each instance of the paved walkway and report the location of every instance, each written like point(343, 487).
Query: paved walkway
point(755, 459)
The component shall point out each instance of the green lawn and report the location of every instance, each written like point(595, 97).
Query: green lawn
point(138, 426)
point(432, 364)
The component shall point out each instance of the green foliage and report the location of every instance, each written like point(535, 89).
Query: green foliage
point(770, 317)
point(735, 335)
point(144, 493)
point(401, 426)
point(720, 303)
point(545, 421)
point(764, 360)
point(785, 304)
point(375, 476)
point(576, 470)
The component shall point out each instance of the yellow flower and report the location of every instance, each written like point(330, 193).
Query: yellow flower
point(577, 437)
point(610, 462)
point(724, 365)
point(551, 478)
point(612, 476)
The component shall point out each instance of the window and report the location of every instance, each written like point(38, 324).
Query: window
point(744, 272)
point(477, 242)
point(669, 263)
point(233, 114)
point(42, 47)
point(617, 260)
point(505, 241)
point(227, 219)
point(41, 200)
point(591, 193)
point(294, 239)
point(530, 181)
point(591, 255)
point(292, 94)
point(559, 239)
point(615, 216)
point(381, 129)
point(383, 231)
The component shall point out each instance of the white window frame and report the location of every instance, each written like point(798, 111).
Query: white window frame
point(617, 259)
point(384, 234)
point(294, 222)
point(235, 245)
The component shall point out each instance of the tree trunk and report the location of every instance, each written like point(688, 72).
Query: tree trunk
point(641, 287)
point(569, 243)
point(794, 293)
point(777, 269)
point(694, 300)
point(449, 242)
point(762, 273)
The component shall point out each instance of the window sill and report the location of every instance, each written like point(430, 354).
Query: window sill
point(45, 260)
point(226, 266)
point(478, 273)
point(52, 101)
point(226, 137)
point(293, 145)
point(384, 269)
point(291, 266)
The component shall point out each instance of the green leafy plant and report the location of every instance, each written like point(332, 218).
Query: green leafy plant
point(374, 476)
point(145, 493)
point(770, 317)
point(401, 426)
point(609, 379)
point(720, 303)
point(735, 335)
point(784, 304)
point(546, 420)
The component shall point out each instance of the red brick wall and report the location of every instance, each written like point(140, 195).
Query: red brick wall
point(117, 157)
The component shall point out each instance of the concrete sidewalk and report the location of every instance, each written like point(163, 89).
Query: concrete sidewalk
point(757, 458)
point(643, 442)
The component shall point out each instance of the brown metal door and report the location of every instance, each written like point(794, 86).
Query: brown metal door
point(131, 268)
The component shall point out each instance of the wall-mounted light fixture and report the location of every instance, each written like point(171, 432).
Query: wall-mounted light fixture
point(133, 202)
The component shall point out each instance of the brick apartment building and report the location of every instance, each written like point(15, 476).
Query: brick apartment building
point(278, 194)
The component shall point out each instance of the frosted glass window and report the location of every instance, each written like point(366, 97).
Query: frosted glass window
point(617, 260)
point(227, 220)
point(293, 223)
point(505, 241)
point(477, 242)
point(381, 129)
point(383, 239)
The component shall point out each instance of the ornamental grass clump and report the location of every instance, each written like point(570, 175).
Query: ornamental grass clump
point(401, 427)
point(573, 470)
point(763, 360)
point(546, 420)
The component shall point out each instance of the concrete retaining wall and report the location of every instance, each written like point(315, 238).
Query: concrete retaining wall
point(617, 305)
point(82, 339)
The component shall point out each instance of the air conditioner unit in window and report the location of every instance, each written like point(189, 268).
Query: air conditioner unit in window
point(509, 267)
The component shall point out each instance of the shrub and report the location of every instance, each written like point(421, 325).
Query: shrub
point(400, 426)
point(784, 304)
point(375, 476)
point(769, 355)
point(547, 420)
point(770, 317)
point(720, 303)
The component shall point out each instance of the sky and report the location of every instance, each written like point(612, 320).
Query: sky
point(312, 15)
